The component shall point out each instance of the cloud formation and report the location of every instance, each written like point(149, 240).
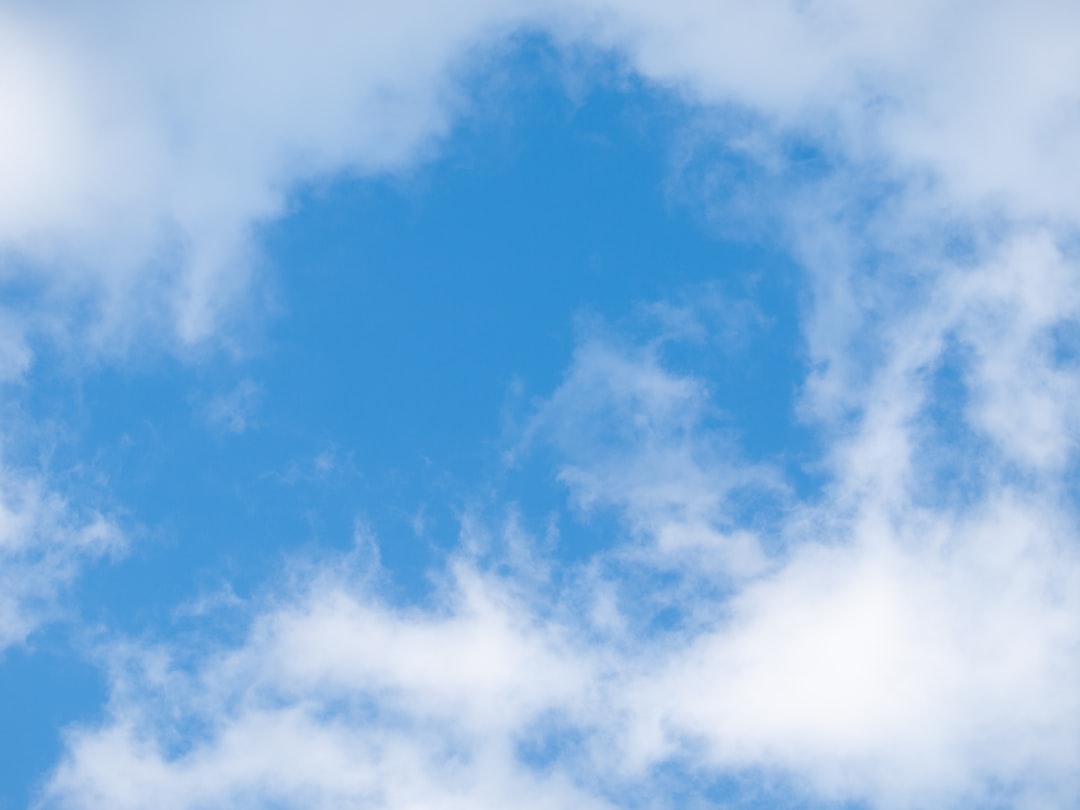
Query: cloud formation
point(891, 650)
point(44, 542)
point(977, 100)
point(142, 147)
point(906, 636)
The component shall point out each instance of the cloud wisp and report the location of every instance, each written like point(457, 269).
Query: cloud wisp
point(141, 147)
point(45, 540)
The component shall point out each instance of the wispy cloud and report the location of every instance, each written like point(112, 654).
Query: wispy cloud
point(45, 541)
point(647, 443)
point(235, 410)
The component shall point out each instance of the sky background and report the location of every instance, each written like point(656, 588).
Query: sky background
point(594, 405)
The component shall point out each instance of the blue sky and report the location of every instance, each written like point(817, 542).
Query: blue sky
point(542, 405)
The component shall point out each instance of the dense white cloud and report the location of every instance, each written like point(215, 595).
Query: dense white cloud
point(894, 670)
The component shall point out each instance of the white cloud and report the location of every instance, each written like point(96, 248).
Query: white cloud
point(335, 699)
point(636, 438)
point(979, 96)
point(141, 147)
point(44, 543)
point(889, 668)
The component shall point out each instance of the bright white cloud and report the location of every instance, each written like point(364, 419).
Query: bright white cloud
point(889, 668)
